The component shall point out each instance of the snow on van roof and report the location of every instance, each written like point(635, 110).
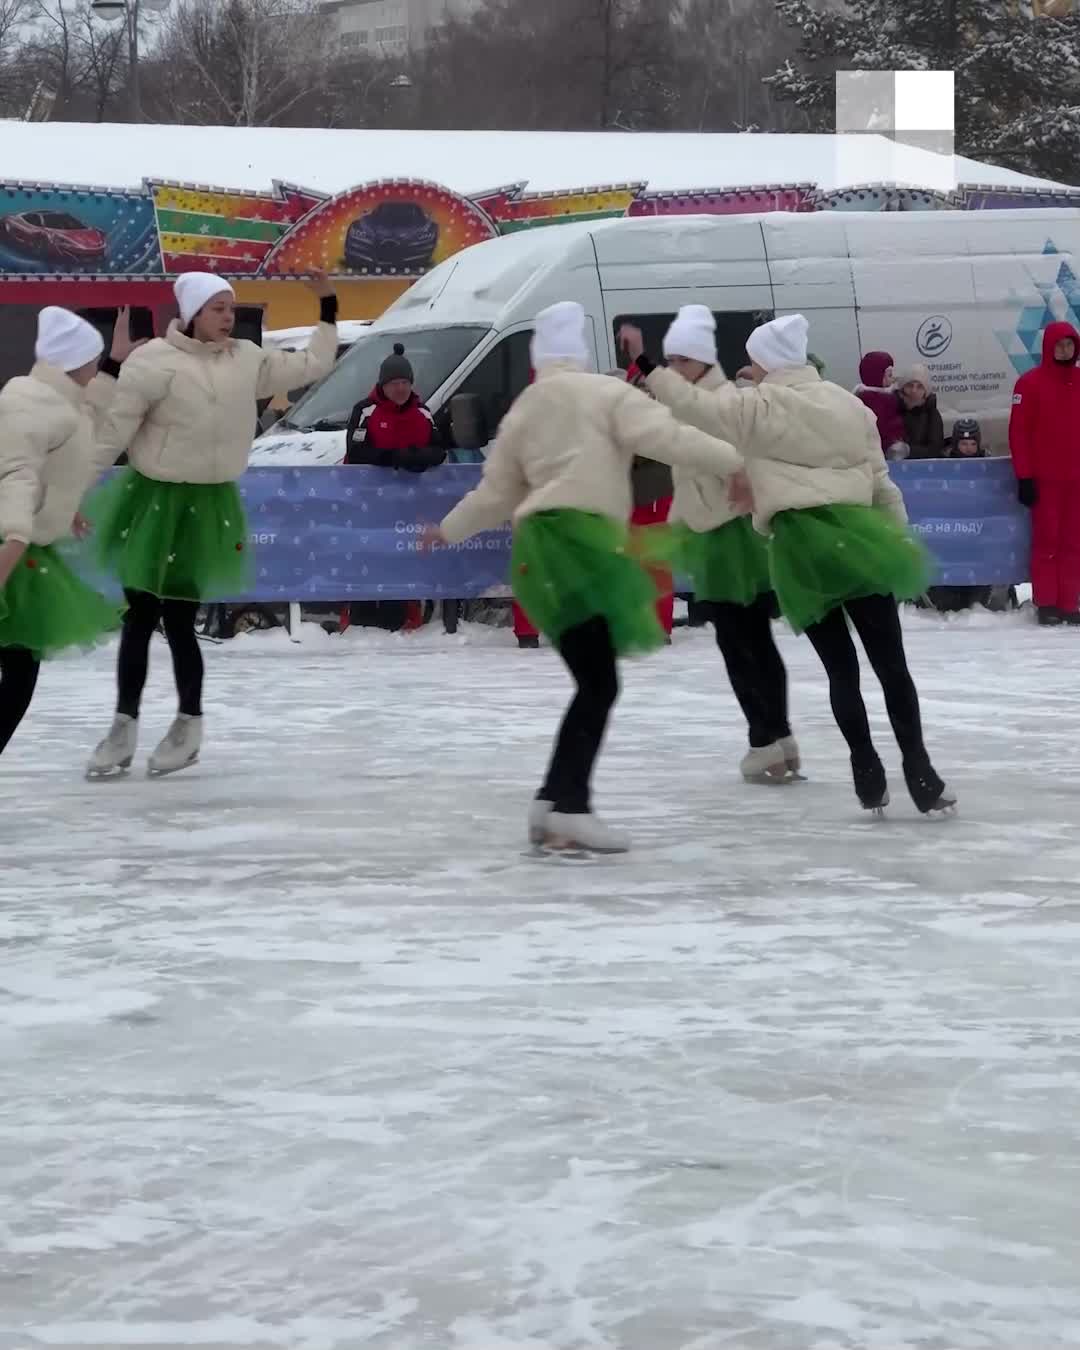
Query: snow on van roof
point(290, 339)
point(471, 162)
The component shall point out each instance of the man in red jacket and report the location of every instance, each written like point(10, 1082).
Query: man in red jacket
point(392, 429)
point(1044, 437)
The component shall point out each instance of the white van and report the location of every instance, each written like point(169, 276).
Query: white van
point(965, 292)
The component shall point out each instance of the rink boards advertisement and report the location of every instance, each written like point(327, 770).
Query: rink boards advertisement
point(352, 533)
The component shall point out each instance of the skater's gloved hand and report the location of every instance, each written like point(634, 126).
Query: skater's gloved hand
point(10, 554)
point(431, 538)
point(1027, 492)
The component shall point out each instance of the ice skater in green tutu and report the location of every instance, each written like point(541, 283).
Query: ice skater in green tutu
point(728, 562)
point(49, 457)
point(560, 470)
point(839, 546)
point(172, 526)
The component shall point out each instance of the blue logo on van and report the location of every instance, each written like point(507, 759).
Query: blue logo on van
point(934, 336)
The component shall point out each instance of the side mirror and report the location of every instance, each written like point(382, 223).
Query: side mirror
point(467, 422)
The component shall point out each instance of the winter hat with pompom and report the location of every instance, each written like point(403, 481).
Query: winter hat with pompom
point(559, 335)
point(780, 344)
point(692, 334)
point(66, 341)
point(396, 367)
point(195, 289)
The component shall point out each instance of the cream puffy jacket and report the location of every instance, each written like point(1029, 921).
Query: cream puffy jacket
point(185, 410)
point(806, 442)
point(48, 452)
point(701, 500)
point(569, 442)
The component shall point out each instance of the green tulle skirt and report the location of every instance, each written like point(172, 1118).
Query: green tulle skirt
point(570, 566)
point(823, 557)
point(179, 541)
point(729, 564)
point(45, 607)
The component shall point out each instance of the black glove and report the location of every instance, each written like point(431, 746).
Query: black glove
point(1027, 492)
point(645, 365)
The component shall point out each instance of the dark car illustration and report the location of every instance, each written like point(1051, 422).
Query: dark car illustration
point(53, 234)
point(393, 234)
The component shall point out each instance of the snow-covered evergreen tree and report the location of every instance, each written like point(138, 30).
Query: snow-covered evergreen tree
point(1017, 78)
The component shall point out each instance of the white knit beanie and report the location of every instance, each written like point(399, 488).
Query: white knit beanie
point(559, 335)
point(692, 334)
point(781, 344)
point(66, 341)
point(911, 374)
point(195, 289)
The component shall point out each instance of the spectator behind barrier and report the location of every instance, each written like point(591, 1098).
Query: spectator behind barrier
point(923, 427)
point(877, 392)
point(964, 443)
point(393, 429)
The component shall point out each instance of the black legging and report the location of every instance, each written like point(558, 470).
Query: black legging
point(142, 617)
point(876, 619)
point(754, 666)
point(18, 678)
point(590, 657)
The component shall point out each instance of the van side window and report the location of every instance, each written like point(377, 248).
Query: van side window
point(733, 327)
point(497, 381)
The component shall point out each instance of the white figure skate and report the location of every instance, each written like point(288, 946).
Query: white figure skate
point(581, 836)
point(539, 815)
point(180, 748)
point(114, 754)
point(772, 764)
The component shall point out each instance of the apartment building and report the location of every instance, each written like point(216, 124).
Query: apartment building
point(388, 27)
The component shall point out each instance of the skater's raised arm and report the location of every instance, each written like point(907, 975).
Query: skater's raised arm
point(500, 492)
point(282, 371)
point(102, 389)
point(644, 427)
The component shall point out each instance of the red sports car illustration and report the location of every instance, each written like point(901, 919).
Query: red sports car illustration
point(53, 234)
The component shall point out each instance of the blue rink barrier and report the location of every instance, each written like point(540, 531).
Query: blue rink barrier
point(352, 533)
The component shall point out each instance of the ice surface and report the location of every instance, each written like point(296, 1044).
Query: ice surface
point(297, 1051)
point(251, 158)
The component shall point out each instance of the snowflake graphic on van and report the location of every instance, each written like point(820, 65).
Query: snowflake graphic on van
point(1061, 301)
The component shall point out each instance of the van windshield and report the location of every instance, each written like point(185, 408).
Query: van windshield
point(433, 352)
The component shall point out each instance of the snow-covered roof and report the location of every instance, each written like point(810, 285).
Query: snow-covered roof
point(470, 162)
point(292, 339)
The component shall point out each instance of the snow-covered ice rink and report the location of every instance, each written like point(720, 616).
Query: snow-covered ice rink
point(296, 1050)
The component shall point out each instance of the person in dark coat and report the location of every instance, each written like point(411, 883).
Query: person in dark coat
point(924, 429)
point(964, 443)
point(392, 429)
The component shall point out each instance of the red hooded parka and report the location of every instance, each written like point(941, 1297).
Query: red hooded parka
point(882, 402)
point(1044, 438)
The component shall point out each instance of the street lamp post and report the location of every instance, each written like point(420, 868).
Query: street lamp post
point(129, 11)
